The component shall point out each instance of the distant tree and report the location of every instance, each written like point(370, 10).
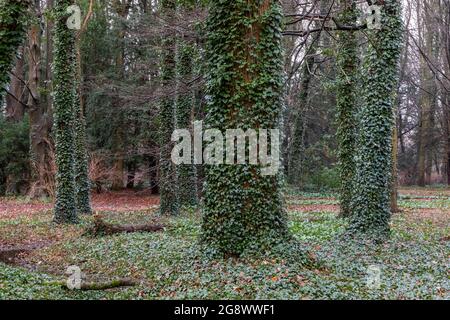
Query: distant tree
point(371, 199)
point(168, 183)
point(347, 68)
point(187, 190)
point(243, 209)
point(82, 186)
point(297, 150)
point(121, 9)
point(39, 103)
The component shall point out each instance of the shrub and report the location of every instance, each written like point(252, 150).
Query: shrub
point(15, 168)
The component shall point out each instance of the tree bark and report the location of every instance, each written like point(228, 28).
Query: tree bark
point(40, 122)
point(15, 99)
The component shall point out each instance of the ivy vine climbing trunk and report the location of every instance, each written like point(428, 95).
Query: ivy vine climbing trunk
point(394, 182)
point(371, 205)
point(187, 188)
point(64, 70)
point(83, 187)
point(347, 66)
point(13, 24)
point(83, 201)
point(168, 184)
point(243, 209)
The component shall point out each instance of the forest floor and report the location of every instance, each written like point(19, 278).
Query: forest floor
point(35, 253)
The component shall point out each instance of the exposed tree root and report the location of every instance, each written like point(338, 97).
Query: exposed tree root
point(101, 228)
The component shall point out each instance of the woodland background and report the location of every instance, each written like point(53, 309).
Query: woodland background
point(122, 92)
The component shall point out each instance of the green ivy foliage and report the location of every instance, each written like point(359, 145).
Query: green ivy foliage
point(371, 203)
point(82, 184)
point(187, 190)
point(346, 86)
point(168, 184)
point(13, 24)
point(243, 210)
point(64, 73)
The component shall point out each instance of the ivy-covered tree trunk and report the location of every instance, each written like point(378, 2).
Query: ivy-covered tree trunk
point(187, 183)
point(394, 182)
point(347, 65)
point(243, 209)
point(371, 205)
point(64, 95)
point(13, 23)
point(81, 164)
point(168, 183)
point(83, 187)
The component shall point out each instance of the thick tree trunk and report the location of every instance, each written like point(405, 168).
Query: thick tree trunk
point(243, 207)
point(371, 209)
point(64, 86)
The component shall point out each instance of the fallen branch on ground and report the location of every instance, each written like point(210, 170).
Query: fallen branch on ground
point(85, 286)
point(101, 227)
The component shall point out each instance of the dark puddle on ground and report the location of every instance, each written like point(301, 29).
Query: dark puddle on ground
point(14, 255)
